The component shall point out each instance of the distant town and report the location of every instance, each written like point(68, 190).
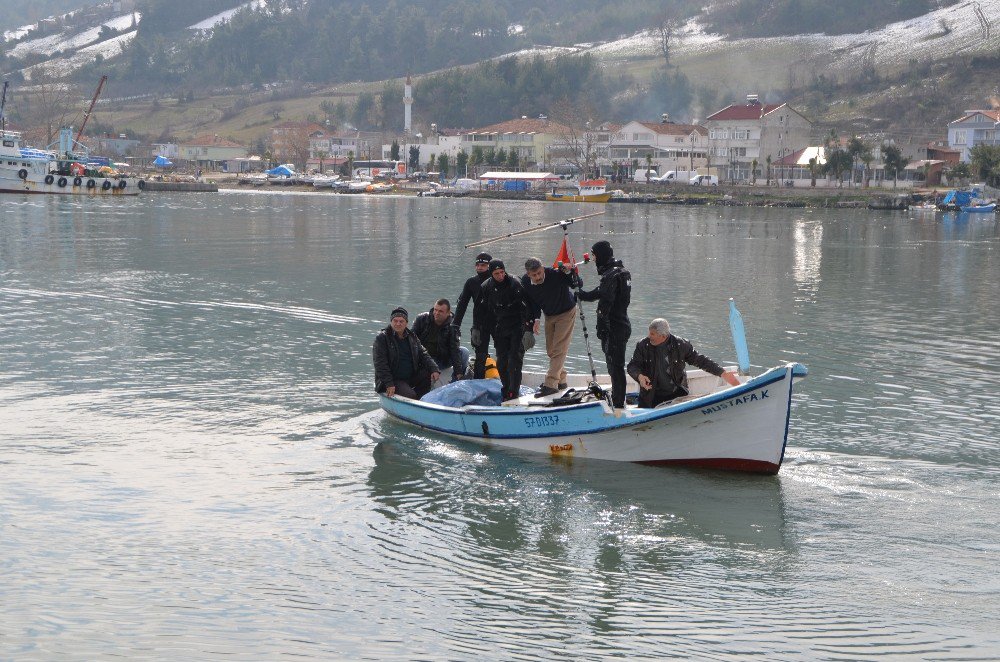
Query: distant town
point(745, 143)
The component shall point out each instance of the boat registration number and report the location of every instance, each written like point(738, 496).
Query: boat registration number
point(545, 421)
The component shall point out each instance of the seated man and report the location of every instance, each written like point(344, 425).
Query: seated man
point(658, 365)
point(402, 365)
point(436, 331)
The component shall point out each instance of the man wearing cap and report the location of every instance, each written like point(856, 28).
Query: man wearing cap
point(613, 295)
point(481, 324)
point(402, 365)
point(508, 306)
point(439, 337)
point(550, 291)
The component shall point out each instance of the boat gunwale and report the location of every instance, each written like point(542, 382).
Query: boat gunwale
point(774, 375)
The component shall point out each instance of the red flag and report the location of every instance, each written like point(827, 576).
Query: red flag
point(565, 257)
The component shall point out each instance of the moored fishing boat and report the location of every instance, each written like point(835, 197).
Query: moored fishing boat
point(589, 190)
point(30, 170)
point(980, 208)
point(741, 428)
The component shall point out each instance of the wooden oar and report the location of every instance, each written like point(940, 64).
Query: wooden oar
point(558, 224)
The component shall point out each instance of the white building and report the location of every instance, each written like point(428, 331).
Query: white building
point(670, 146)
point(740, 134)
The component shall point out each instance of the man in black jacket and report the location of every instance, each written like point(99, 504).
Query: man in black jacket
point(550, 291)
point(508, 306)
point(439, 337)
point(402, 365)
point(482, 326)
point(658, 365)
point(613, 295)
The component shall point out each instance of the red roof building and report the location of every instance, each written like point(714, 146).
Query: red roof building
point(740, 134)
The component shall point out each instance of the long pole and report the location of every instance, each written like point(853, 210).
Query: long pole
point(594, 387)
point(563, 224)
point(3, 106)
point(93, 101)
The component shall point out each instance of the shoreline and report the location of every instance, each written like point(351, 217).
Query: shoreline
point(721, 196)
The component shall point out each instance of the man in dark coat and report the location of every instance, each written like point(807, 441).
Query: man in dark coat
point(439, 336)
point(482, 326)
point(613, 295)
point(508, 306)
point(658, 365)
point(402, 365)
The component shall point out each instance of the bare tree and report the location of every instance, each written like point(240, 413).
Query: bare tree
point(578, 143)
point(665, 29)
point(51, 104)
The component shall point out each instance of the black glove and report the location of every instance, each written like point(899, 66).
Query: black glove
point(475, 336)
point(455, 376)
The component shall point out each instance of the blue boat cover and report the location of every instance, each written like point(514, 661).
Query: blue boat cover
point(485, 392)
point(480, 392)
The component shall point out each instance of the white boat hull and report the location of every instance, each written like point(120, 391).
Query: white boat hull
point(34, 182)
point(742, 428)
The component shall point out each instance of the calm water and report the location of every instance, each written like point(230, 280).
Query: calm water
point(191, 467)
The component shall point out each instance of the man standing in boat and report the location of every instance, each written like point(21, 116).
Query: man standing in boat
point(550, 291)
point(402, 365)
point(481, 325)
point(658, 365)
point(508, 305)
point(613, 295)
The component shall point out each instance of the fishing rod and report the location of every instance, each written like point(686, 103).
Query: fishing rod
point(558, 224)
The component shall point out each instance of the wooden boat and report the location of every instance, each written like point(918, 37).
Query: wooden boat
point(981, 208)
point(589, 190)
point(741, 428)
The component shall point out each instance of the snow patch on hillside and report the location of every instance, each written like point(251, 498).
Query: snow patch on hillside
point(69, 40)
point(968, 28)
point(223, 17)
point(12, 35)
point(63, 66)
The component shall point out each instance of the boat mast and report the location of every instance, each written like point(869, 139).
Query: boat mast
point(86, 116)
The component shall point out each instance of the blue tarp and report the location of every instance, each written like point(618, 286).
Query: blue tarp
point(480, 392)
point(284, 171)
point(960, 198)
point(162, 161)
point(485, 392)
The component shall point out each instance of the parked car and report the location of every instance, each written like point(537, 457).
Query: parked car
point(704, 180)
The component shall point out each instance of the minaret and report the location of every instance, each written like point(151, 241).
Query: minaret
point(407, 103)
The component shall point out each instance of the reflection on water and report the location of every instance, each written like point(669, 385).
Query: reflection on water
point(191, 465)
point(808, 255)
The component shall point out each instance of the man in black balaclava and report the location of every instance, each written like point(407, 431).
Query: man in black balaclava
point(481, 325)
point(613, 295)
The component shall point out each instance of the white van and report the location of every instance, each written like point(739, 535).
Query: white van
point(704, 180)
point(640, 175)
point(674, 176)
